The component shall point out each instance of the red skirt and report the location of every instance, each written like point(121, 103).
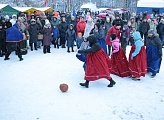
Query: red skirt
point(120, 64)
point(98, 65)
point(138, 66)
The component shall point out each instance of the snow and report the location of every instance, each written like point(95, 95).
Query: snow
point(151, 3)
point(44, 9)
point(29, 90)
point(3, 5)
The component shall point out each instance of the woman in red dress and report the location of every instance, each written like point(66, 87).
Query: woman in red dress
point(119, 61)
point(137, 58)
point(98, 64)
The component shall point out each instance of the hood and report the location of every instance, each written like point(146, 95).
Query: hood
point(136, 36)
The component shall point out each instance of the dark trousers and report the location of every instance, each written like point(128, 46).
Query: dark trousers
point(46, 49)
point(13, 47)
point(33, 45)
point(55, 42)
point(62, 41)
point(144, 36)
point(2, 47)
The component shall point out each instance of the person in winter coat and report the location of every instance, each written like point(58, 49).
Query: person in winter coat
point(33, 32)
point(56, 36)
point(74, 22)
point(119, 61)
point(98, 64)
point(154, 53)
point(4, 24)
point(100, 36)
point(40, 27)
point(47, 36)
point(143, 29)
point(79, 40)
point(88, 28)
point(13, 38)
point(152, 24)
point(2, 38)
point(81, 25)
point(70, 38)
point(125, 35)
point(107, 25)
point(137, 57)
point(160, 30)
point(113, 30)
point(63, 26)
point(54, 21)
point(117, 21)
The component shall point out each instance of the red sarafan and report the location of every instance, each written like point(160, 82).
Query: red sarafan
point(63, 87)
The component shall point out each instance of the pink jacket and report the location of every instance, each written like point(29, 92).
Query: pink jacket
point(115, 45)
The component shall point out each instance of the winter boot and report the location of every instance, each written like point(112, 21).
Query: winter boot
point(68, 50)
point(20, 59)
point(48, 49)
point(63, 46)
point(112, 82)
point(86, 84)
point(72, 49)
point(7, 56)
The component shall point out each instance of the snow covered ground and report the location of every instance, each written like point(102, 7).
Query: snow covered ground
point(29, 90)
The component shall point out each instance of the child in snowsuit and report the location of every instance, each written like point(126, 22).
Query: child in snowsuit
point(79, 40)
point(55, 37)
point(82, 57)
point(70, 38)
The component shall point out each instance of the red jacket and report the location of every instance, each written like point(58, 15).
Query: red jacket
point(81, 26)
point(112, 30)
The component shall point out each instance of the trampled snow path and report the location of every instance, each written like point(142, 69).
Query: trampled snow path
point(29, 90)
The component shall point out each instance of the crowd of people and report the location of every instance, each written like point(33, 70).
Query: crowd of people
point(144, 34)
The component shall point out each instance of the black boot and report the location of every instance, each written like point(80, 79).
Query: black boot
point(68, 50)
point(72, 49)
point(7, 56)
point(48, 49)
point(112, 82)
point(20, 55)
point(86, 84)
point(63, 46)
